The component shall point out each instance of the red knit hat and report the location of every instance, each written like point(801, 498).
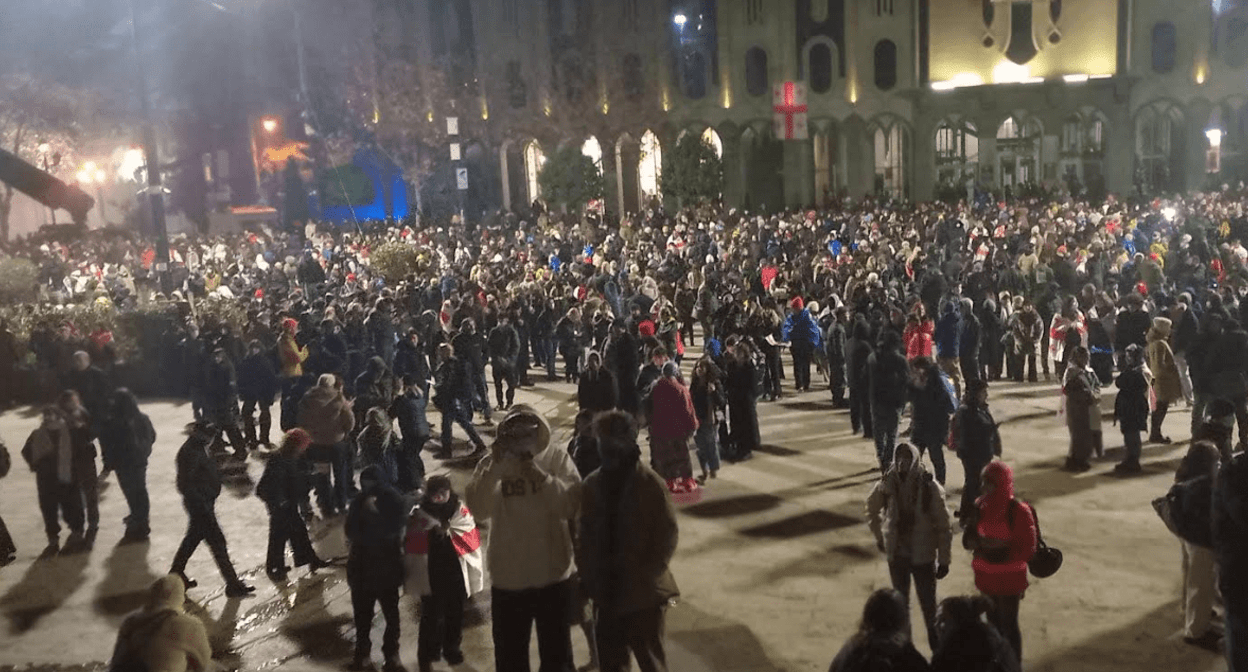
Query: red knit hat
point(797, 303)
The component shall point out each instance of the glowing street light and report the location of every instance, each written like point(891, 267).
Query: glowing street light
point(91, 174)
point(269, 124)
point(1215, 137)
point(680, 20)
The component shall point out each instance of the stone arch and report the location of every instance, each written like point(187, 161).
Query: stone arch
point(1160, 145)
point(826, 71)
point(955, 142)
point(627, 162)
point(762, 166)
point(891, 137)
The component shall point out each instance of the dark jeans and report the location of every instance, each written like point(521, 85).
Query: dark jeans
point(249, 421)
point(363, 604)
point(548, 356)
point(640, 632)
point(202, 525)
point(836, 374)
point(133, 483)
point(1159, 418)
point(504, 373)
point(331, 486)
point(514, 613)
point(860, 411)
point(901, 570)
point(458, 412)
point(972, 470)
point(285, 525)
point(771, 372)
point(480, 392)
point(571, 363)
point(884, 421)
point(411, 466)
point(441, 624)
point(87, 481)
point(1005, 617)
point(58, 499)
point(802, 354)
point(937, 453)
point(1025, 364)
point(228, 427)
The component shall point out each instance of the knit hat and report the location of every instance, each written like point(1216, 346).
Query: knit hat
point(797, 303)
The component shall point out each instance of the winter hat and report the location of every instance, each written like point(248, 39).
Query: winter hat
point(296, 440)
point(797, 303)
point(168, 592)
point(523, 430)
point(1220, 412)
point(1162, 325)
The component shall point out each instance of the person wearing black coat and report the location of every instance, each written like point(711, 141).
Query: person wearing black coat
point(199, 482)
point(741, 382)
point(93, 388)
point(569, 334)
point(453, 397)
point(1131, 408)
point(409, 408)
point(966, 642)
point(412, 360)
point(969, 342)
point(597, 389)
point(860, 349)
point(126, 441)
point(883, 639)
point(504, 348)
point(375, 527)
point(975, 439)
point(889, 375)
point(834, 348)
point(992, 350)
point(379, 326)
point(470, 348)
point(622, 360)
point(258, 386)
point(1132, 326)
point(282, 487)
point(220, 400)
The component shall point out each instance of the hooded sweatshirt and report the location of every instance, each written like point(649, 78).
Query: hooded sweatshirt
point(168, 639)
point(1017, 528)
point(530, 543)
point(907, 513)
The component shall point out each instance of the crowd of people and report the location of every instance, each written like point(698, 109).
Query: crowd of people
point(896, 306)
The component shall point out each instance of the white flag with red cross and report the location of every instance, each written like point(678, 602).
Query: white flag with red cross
point(789, 105)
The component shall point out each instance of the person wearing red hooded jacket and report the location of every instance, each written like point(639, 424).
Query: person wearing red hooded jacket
point(672, 423)
point(918, 334)
point(1003, 541)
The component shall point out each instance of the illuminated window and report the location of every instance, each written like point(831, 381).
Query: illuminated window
point(957, 152)
point(821, 67)
point(533, 162)
point(885, 65)
point(650, 165)
point(756, 71)
point(593, 150)
point(1165, 47)
point(1159, 147)
point(1018, 147)
point(710, 137)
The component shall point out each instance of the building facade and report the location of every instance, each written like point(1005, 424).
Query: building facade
point(916, 98)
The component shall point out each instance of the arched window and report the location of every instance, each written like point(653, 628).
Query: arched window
point(650, 165)
point(1165, 47)
point(694, 75)
point(756, 71)
point(957, 152)
point(593, 150)
point(821, 67)
point(885, 65)
point(710, 137)
point(989, 10)
point(891, 160)
point(634, 81)
point(533, 162)
point(1055, 10)
point(1159, 147)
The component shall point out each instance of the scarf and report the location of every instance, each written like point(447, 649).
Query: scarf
point(42, 448)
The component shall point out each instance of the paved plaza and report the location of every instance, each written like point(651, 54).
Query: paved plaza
point(774, 564)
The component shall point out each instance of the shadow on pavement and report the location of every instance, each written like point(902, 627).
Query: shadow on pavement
point(740, 505)
point(42, 590)
point(1147, 643)
point(800, 525)
point(127, 578)
point(717, 643)
point(824, 563)
point(317, 638)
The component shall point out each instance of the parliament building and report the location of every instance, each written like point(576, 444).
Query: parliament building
point(913, 98)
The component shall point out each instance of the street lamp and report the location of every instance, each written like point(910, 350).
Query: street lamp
point(269, 124)
point(680, 20)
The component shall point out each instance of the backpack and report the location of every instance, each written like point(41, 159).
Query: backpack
point(133, 639)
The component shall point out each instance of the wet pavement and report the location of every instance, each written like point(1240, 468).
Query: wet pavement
point(774, 564)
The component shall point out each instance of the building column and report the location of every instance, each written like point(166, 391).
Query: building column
point(924, 158)
point(506, 175)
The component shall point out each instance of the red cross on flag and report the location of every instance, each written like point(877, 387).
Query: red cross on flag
point(789, 104)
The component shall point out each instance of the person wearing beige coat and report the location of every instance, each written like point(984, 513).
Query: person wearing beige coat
point(1167, 384)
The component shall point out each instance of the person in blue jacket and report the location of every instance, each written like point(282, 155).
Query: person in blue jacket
point(948, 339)
point(804, 338)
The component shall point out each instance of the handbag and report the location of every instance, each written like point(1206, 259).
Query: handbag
point(1046, 560)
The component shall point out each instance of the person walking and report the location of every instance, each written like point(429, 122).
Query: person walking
point(529, 490)
point(281, 487)
point(628, 535)
point(453, 397)
point(804, 338)
point(199, 482)
point(409, 409)
point(126, 441)
point(326, 416)
point(932, 403)
point(220, 401)
point(504, 348)
point(883, 638)
point(672, 423)
point(50, 454)
point(1167, 384)
point(86, 477)
point(597, 390)
point(975, 439)
point(860, 350)
point(948, 341)
point(1002, 538)
point(1028, 330)
point(375, 528)
point(379, 447)
point(444, 568)
point(906, 512)
point(709, 405)
point(889, 376)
